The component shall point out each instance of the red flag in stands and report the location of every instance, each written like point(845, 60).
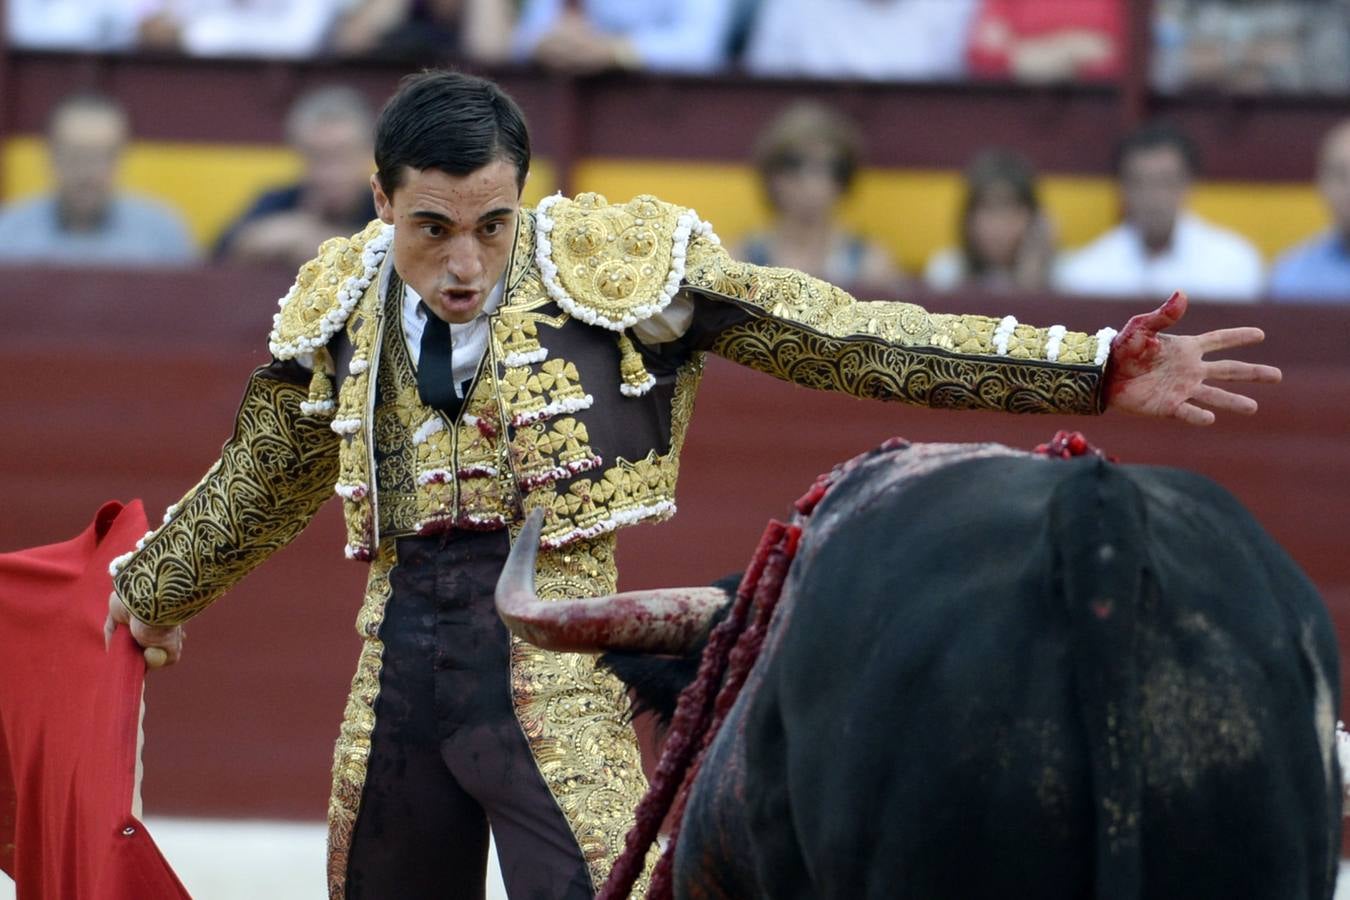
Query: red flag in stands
point(69, 725)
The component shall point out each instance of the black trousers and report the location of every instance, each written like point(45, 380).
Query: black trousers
point(447, 755)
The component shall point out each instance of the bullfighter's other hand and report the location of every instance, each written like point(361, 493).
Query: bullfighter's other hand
point(1167, 375)
point(163, 645)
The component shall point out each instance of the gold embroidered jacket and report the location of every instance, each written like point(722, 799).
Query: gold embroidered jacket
point(569, 411)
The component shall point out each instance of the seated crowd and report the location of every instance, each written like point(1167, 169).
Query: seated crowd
point(1244, 45)
point(807, 160)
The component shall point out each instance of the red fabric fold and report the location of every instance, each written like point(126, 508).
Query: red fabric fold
point(69, 716)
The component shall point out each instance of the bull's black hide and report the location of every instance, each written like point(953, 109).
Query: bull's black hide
point(1023, 678)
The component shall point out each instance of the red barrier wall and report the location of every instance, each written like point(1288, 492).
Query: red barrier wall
point(124, 384)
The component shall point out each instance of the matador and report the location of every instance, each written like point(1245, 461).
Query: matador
point(465, 360)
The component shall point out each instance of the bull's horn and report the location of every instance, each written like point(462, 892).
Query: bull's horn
point(659, 621)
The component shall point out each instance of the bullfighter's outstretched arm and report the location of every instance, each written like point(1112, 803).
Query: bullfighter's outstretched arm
point(807, 331)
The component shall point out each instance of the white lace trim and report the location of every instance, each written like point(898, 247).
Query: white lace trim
point(525, 359)
point(1053, 338)
point(1002, 333)
point(427, 429)
point(345, 426)
point(687, 224)
point(637, 390)
point(434, 476)
point(315, 408)
point(352, 492)
point(556, 408)
point(660, 510)
point(1104, 338)
point(348, 295)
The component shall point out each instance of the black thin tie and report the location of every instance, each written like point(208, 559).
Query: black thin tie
point(435, 368)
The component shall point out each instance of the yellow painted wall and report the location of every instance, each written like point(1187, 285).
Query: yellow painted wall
point(913, 212)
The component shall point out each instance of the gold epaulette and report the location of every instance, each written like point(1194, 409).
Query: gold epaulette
point(327, 289)
point(613, 266)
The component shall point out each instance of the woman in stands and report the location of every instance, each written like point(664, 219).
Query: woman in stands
point(1006, 241)
point(807, 159)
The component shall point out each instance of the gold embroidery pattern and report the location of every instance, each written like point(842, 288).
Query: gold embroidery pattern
point(274, 474)
point(351, 753)
point(573, 716)
point(872, 369)
point(612, 260)
point(315, 293)
point(550, 389)
point(354, 475)
point(812, 333)
point(541, 454)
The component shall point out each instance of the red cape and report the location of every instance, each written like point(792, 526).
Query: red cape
point(69, 722)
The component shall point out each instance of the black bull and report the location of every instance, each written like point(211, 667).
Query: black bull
point(1006, 676)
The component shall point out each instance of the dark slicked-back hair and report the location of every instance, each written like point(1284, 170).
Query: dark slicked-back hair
point(452, 122)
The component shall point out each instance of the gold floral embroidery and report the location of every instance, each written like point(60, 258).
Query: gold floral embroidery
point(351, 753)
point(812, 333)
point(573, 715)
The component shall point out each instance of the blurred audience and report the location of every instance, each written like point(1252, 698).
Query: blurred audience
point(1048, 40)
point(70, 24)
point(807, 159)
point(426, 30)
point(1006, 242)
point(870, 39)
point(1319, 269)
point(1161, 246)
point(274, 28)
point(331, 129)
point(1252, 46)
point(595, 35)
point(86, 219)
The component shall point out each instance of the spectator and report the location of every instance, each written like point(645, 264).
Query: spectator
point(1007, 243)
point(331, 129)
point(275, 28)
point(1160, 246)
point(807, 159)
point(70, 24)
point(426, 30)
point(86, 220)
point(872, 39)
point(661, 35)
point(1320, 269)
point(1252, 46)
point(1048, 40)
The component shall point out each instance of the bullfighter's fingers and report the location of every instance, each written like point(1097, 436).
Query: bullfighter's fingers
point(1218, 398)
point(1235, 370)
point(1193, 415)
point(1227, 338)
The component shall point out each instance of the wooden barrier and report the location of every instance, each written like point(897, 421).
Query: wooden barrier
point(124, 385)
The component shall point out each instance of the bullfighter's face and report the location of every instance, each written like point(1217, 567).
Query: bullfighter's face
point(453, 234)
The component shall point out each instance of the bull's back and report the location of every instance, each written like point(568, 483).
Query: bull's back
point(1032, 678)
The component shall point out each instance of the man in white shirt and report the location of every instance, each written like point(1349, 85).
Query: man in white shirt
point(1161, 246)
